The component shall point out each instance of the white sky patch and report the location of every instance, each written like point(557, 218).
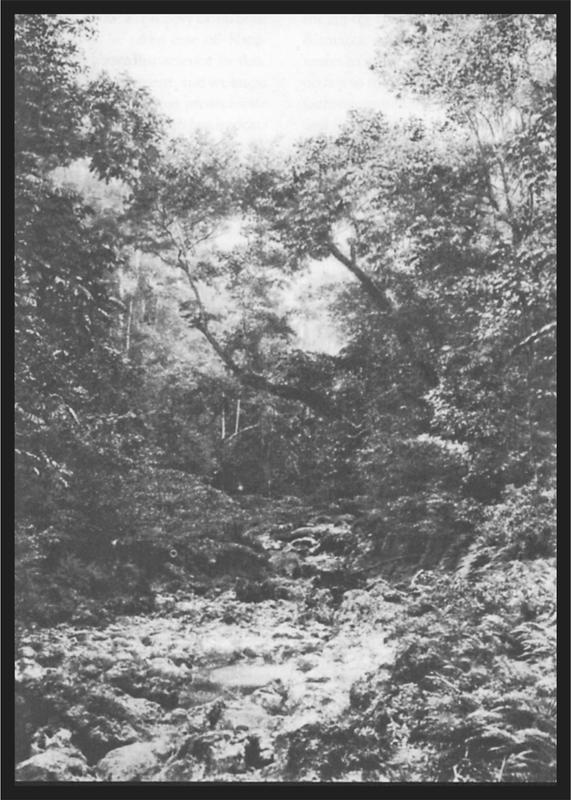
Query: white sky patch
point(269, 79)
point(308, 297)
point(266, 77)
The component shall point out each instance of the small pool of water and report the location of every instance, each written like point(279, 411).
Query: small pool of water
point(249, 676)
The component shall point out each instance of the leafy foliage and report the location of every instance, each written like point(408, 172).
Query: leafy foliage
point(470, 696)
point(477, 661)
point(74, 418)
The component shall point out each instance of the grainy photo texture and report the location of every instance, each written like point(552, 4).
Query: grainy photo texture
point(285, 398)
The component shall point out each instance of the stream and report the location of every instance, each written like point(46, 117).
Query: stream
point(205, 688)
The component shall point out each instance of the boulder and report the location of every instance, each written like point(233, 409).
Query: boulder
point(199, 696)
point(288, 535)
point(54, 764)
point(165, 668)
point(276, 530)
point(97, 735)
point(297, 722)
point(258, 751)
point(164, 602)
point(219, 646)
point(248, 591)
point(346, 519)
point(184, 607)
point(337, 540)
point(287, 631)
point(234, 559)
point(286, 563)
point(135, 762)
point(158, 684)
point(28, 671)
point(249, 676)
point(178, 716)
point(223, 753)
point(46, 738)
point(106, 719)
point(291, 500)
point(305, 664)
point(248, 716)
point(183, 771)
point(270, 698)
point(304, 544)
point(106, 701)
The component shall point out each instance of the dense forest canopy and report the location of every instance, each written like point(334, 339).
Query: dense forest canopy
point(162, 388)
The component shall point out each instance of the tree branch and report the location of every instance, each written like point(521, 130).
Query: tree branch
point(383, 303)
point(508, 217)
point(240, 432)
point(533, 337)
point(319, 403)
point(375, 293)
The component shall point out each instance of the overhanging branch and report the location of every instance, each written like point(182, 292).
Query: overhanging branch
point(383, 303)
point(375, 293)
point(319, 403)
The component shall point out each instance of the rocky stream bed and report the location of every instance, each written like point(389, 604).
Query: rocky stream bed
point(204, 688)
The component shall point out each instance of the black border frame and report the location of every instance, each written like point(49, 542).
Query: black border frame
point(560, 790)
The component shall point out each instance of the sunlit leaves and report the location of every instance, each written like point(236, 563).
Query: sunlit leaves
point(49, 99)
point(471, 61)
point(122, 129)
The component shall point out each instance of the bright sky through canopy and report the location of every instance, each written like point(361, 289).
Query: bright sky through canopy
point(264, 76)
point(269, 79)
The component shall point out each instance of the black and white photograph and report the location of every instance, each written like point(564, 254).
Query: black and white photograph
point(285, 398)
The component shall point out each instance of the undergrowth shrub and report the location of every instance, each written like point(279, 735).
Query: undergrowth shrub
point(471, 695)
point(474, 678)
point(432, 518)
point(157, 527)
point(521, 526)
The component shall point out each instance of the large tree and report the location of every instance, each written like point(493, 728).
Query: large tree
point(74, 393)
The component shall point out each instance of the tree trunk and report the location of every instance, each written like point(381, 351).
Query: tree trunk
point(223, 433)
point(237, 426)
point(128, 327)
